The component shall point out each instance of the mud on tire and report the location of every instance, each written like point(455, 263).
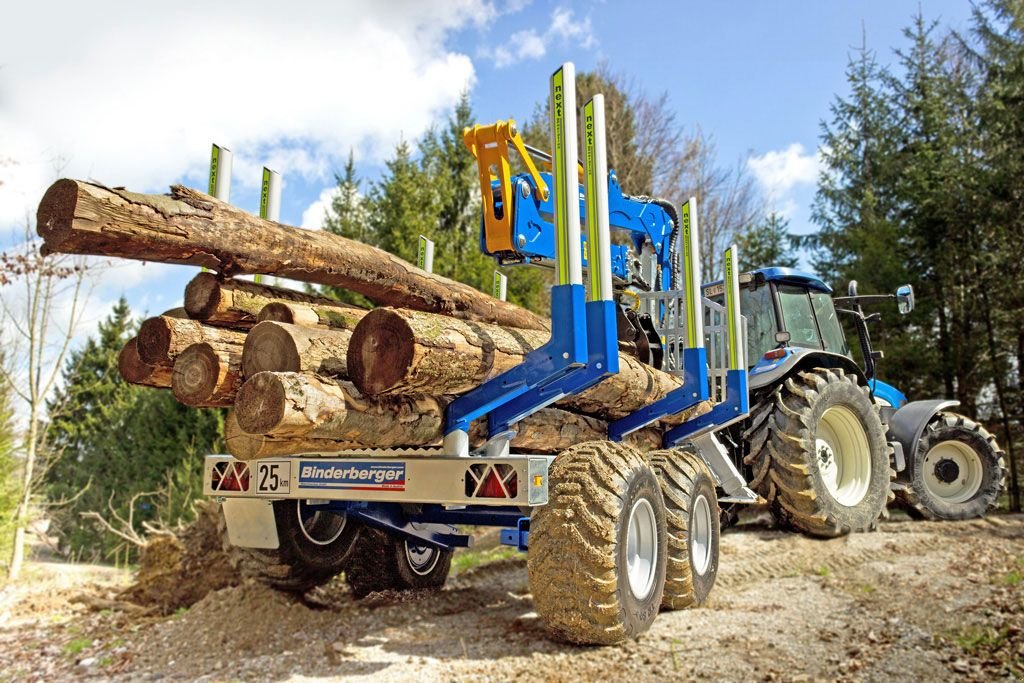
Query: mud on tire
point(691, 567)
point(384, 562)
point(314, 547)
point(945, 451)
point(789, 465)
point(579, 563)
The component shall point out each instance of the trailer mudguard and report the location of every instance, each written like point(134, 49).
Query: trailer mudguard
point(908, 423)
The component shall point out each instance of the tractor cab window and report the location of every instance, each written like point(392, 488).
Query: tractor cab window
point(798, 317)
point(756, 306)
point(828, 323)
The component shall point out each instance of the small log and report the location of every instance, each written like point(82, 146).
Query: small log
point(283, 406)
point(335, 316)
point(280, 347)
point(252, 446)
point(189, 227)
point(134, 371)
point(161, 339)
point(396, 352)
point(237, 303)
point(205, 377)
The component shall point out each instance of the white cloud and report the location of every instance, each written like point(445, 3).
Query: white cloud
point(313, 216)
point(779, 171)
point(134, 93)
point(529, 44)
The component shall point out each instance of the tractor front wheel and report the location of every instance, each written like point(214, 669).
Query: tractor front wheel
point(956, 471)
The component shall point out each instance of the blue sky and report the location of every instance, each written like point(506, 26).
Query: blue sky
point(136, 101)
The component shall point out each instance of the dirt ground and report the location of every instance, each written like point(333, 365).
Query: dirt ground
point(912, 601)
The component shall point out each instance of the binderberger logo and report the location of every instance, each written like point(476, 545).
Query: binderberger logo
point(354, 475)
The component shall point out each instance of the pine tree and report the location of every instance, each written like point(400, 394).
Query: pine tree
point(112, 440)
point(767, 243)
point(348, 216)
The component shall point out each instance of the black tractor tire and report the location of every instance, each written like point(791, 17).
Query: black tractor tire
point(786, 457)
point(691, 567)
point(382, 561)
point(314, 547)
point(578, 561)
point(917, 495)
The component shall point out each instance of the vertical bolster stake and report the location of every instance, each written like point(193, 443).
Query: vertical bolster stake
point(220, 173)
point(599, 257)
point(499, 288)
point(425, 254)
point(691, 275)
point(270, 200)
point(732, 310)
point(565, 160)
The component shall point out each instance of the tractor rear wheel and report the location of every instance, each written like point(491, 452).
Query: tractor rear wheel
point(693, 526)
point(819, 455)
point(382, 561)
point(314, 546)
point(598, 548)
point(956, 472)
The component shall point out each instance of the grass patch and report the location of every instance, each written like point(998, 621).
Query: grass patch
point(1012, 579)
point(76, 646)
point(822, 571)
point(977, 640)
point(867, 588)
point(465, 560)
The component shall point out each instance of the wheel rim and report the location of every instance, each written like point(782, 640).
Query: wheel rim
point(319, 528)
point(843, 455)
point(952, 472)
point(641, 549)
point(700, 536)
point(421, 558)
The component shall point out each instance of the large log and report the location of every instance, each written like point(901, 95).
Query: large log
point(162, 338)
point(395, 352)
point(134, 371)
point(237, 303)
point(335, 316)
point(280, 347)
point(206, 377)
point(283, 406)
point(252, 446)
point(193, 228)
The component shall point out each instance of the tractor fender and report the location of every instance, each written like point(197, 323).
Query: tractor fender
point(769, 375)
point(907, 424)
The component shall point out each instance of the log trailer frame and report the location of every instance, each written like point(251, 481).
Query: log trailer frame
point(659, 528)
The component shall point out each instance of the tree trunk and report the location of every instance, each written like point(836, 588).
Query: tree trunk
point(206, 377)
point(252, 446)
point(236, 303)
point(336, 316)
point(193, 228)
point(161, 339)
point(290, 406)
point(280, 347)
point(134, 371)
point(395, 352)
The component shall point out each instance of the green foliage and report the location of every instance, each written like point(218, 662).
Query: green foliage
point(110, 440)
point(8, 470)
point(348, 218)
point(766, 244)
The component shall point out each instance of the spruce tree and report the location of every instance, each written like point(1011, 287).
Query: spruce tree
point(767, 243)
point(349, 217)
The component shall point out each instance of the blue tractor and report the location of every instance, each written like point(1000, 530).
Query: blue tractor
point(825, 435)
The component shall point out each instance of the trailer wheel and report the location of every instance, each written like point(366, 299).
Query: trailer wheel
point(314, 546)
point(382, 561)
point(692, 517)
point(823, 463)
point(598, 548)
point(957, 470)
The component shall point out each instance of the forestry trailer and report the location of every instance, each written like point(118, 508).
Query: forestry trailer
point(770, 407)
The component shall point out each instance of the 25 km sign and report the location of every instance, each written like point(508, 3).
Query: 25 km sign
point(273, 477)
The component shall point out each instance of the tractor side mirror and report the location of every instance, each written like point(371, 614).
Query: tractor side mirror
point(851, 289)
point(905, 299)
point(782, 337)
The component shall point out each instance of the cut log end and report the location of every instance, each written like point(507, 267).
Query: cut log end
point(261, 404)
point(154, 341)
point(270, 348)
point(279, 312)
point(380, 352)
point(199, 376)
point(135, 371)
point(202, 296)
point(55, 209)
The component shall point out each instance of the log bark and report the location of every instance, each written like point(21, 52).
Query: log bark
point(282, 406)
point(237, 303)
point(134, 371)
point(193, 228)
point(395, 352)
point(334, 316)
point(252, 446)
point(163, 338)
point(280, 347)
point(205, 377)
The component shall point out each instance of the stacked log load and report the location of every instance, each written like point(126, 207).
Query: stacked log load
point(303, 373)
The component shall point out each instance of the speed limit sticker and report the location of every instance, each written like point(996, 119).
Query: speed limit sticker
point(273, 477)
